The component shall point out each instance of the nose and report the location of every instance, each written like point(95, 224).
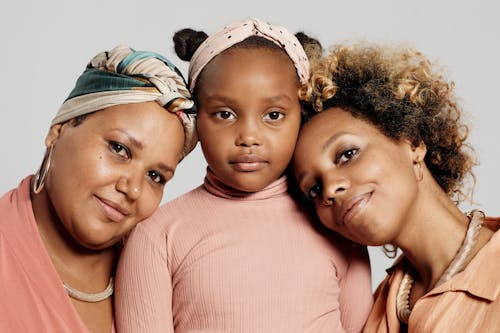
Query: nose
point(334, 187)
point(130, 185)
point(248, 134)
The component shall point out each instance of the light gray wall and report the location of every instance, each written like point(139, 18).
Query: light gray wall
point(46, 44)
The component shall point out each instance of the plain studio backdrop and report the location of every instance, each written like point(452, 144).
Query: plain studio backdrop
point(45, 46)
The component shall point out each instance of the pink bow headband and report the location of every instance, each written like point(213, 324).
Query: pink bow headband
point(239, 31)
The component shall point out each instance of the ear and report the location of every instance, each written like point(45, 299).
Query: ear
point(418, 153)
point(53, 134)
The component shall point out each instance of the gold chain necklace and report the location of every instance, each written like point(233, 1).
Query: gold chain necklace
point(457, 265)
point(90, 298)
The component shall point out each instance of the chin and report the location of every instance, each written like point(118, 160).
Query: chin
point(96, 240)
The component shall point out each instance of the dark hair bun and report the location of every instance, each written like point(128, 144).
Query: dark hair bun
point(187, 41)
point(311, 46)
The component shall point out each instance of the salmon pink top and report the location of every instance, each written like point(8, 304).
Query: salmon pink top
point(467, 303)
point(220, 260)
point(32, 296)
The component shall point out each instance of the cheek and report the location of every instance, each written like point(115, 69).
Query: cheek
point(149, 201)
point(326, 216)
point(283, 143)
point(212, 149)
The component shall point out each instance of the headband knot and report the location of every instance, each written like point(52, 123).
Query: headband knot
point(123, 75)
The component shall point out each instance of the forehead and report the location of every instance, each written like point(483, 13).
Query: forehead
point(330, 120)
point(331, 123)
point(241, 64)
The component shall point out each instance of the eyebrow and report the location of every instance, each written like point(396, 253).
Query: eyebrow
point(137, 144)
point(331, 140)
point(278, 98)
point(301, 177)
point(165, 168)
point(228, 100)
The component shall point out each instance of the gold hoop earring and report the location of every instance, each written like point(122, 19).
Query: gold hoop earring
point(420, 172)
point(42, 172)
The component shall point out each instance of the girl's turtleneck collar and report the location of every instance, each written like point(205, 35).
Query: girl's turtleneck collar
point(217, 187)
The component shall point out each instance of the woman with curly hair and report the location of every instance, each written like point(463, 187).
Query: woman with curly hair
point(383, 155)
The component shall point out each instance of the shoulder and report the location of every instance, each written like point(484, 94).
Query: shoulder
point(15, 206)
point(183, 208)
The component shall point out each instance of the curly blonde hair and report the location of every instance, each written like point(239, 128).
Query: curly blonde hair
point(400, 92)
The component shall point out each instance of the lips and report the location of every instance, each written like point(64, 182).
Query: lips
point(112, 210)
point(352, 206)
point(248, 163)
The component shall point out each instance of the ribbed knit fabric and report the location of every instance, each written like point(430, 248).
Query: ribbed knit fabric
point(219, 260)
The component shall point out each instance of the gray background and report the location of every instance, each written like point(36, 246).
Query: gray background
point(45, 45)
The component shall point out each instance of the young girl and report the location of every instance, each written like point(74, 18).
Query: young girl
point(383, 160)
point(238, 254)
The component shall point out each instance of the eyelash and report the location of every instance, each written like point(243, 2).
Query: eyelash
point(344, 154)
point(278, 113)
point(310, 196)
point(227, 115)
point(219, 114)
point(154, 174)
point(117, 148)
point(349, 154)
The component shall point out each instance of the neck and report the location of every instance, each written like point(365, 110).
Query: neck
point(434, 232)
point(74, 263)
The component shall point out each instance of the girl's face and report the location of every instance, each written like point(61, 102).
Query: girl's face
point(108, 173)
point(363, 183)
point(248, 116)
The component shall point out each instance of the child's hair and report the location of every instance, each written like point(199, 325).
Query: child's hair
point(187, 41)
point(400, 92)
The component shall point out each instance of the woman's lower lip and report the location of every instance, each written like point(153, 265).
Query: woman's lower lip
point(248, 167)
point(110, 212)
point(357, 207)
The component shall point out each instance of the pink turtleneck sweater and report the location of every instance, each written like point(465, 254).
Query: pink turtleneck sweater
point(219, 260)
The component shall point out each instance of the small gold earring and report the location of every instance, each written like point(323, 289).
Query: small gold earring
point(420, 171)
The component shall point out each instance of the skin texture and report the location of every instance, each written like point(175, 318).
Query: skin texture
point(102, 182)
point(363, 183)
point(248, 116)
point(106, 175)
point(374, 190)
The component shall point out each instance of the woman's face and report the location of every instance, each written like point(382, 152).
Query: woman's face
point(363, 183)
point(248, 116)
point(108, 173)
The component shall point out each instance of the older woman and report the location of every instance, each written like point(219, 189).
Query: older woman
point(384, 159)
point(111, 148)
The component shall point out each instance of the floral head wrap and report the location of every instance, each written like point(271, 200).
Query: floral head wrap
point(123, 76)
point(239, 31)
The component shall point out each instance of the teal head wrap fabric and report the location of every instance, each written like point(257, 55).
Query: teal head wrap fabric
point(123, 75)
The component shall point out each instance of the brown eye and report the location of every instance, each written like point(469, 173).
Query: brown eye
point(224, 115)
point(119, 149)
point(313, 192)
point(346, 155)
point(156, 177)
point(274, 115)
